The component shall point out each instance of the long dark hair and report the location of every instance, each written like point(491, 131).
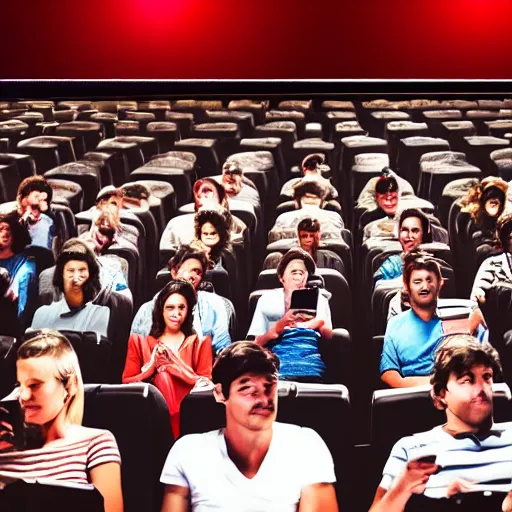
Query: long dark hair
point(219, 222)
point(176, 286)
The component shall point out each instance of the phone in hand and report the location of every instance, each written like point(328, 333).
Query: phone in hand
point(14, 430)
point(304, 303)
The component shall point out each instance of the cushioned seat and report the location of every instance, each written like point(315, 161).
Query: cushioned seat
point(226, 134)
point(434, 118)
point(180, 159)
point(395, 131)
point(9, 182)
point(452, 191)
point(499, 128)
point(127, 128)
point(89, 134)
point(455, 131)
point(74, 105)
point(85, 115)
point(165, 192)
point(191, 107)
point(32, 119)
point(502, 160)
point(305, 147)
point(67, 193)
point(272, 144)
point(143, 118)
point(158, 108)
point(25, 164)
point(479, 148)
point(14, 130)
point(48, 151)
point(112, 167)
point(205, 150)
point(10, 113)
point(479, 118)
point(131, 153)
point(298, 118)
point(108, 120)
point(165, 133)
point(148, 145)
point(256, 108)
point(332, 105)
point(416, 108)
point(304, 106)
point(244, 120)
point(183, 120)
point(380, 118)
point(334, 117)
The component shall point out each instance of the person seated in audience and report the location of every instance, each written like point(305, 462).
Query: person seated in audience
point(309, 196)
point(413, 336)
point(173, 356)
point(77, 278)
point(254, 463)
point(311, 166)
point(207, 194)
point(14, 237)
point(462, 379)
point(485, 202)
point(413, 230)
point(293, 337)
point(212, 235)
point(309, 238)
point(495, 268)
point(33, 199)
point(51, 396)
point(233, 183)
point(10, 325)
point(210, 315)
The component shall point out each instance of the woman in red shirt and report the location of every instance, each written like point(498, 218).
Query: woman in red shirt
point(172, 357)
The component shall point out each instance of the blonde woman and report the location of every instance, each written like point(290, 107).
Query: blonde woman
point(51, 396)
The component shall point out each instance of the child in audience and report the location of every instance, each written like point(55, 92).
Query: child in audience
point(51, 396)
point(173, 357)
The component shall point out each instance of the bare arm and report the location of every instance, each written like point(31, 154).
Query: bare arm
point(107, 479)
point(393, 379)
point(318, 498)
point(176, 499)
point(287, 320)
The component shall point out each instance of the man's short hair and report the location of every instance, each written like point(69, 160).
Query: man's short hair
point(311, 162)
point(457, 354)
point(420, 260)
point(76, 250)
point(135, 190)
point(32, 183)
point(503, 230)
point(306, 186)
point(308, 224)
point(386, 183)
point(296, 254)
point(242, 357)
point(19, 232)
point(425, 222)
point(233, 166)
point(184, 253)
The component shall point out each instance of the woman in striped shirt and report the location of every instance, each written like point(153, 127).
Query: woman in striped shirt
point(51, 396)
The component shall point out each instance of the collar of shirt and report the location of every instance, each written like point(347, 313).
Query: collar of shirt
point(65, 311)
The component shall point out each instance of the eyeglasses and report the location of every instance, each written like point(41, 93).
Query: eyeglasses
point(231, 172)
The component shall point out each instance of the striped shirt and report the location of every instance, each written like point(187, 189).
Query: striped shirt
point(486, 460)
point(70, 462)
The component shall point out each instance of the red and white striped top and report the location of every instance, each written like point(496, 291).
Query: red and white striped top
point(70, 462)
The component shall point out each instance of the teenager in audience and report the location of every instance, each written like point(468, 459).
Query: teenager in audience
point(254, 463)
point(311, 167)
point(77, 278)
point(173, 356)
point(210, 316)
point(309, 239)
point(309, 196)
point(293, 337)
point(232, 181)
point(51, 396)
point(34, 198)
point(469, 447)
point(14, 237)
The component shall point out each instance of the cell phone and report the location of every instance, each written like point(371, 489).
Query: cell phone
point(26, 436)
point(305, 301)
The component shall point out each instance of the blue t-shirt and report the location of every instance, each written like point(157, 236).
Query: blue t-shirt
point(23, 278)
point(410, 344)
point(391, 268)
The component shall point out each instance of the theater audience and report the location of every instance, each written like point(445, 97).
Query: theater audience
point(77, 278)
point(59, 448)
point(33, 199)
point(469, 448)
point(234, 185)
point(285, 331)
point(14, 237)
point(309, 196)
point(173, 356)
point(311, 166)
point(242, 466)
point(210, 316)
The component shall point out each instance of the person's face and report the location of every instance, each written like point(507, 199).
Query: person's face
point(411, 234)
point(75, 275)
point(232, 181)
point(34, 204)
point(387, 202)
point(311, 200)
point(468, 398)
point(252, 402)
point(175, 312)
point(42, 395)
point(111, 204)
point(294, 276)
point(309, 240)
point(209, 235)
point(206, 193)
point(5, 236)
point(424, 288)
point(190, 270)
point(493, 207)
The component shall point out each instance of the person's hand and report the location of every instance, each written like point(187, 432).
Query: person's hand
point(415, 477)
point(475, 319)
point(506, 506)
point(6, 435)
point(203, 383)
point(286, 321)
point(458, 486)
point(479, 296)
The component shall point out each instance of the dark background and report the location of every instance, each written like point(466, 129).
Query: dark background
point(173, 39)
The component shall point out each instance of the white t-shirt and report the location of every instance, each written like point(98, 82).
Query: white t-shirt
point(297, 457)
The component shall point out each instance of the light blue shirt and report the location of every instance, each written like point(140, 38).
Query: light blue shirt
point(42, 232)
point(391, 268)
point(23, 278)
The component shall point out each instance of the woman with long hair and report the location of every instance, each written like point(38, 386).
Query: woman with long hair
point(172, 357)
point(55, 445)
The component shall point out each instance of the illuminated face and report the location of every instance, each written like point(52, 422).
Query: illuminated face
point(232, 180)
point(42, 394)
point(205, 194)
point(209, 235)
point(411, 233)
point(190, 270)
point(175, 312)
point(75, 275)
point(308, 240)
point(5, 236)
point(424, 287)
point(34, 204)
point(252, 402)
point(493, 207)
point(387, 202)
point(294, 276)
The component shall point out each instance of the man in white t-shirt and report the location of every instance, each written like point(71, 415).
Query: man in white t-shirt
point(255, 463)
